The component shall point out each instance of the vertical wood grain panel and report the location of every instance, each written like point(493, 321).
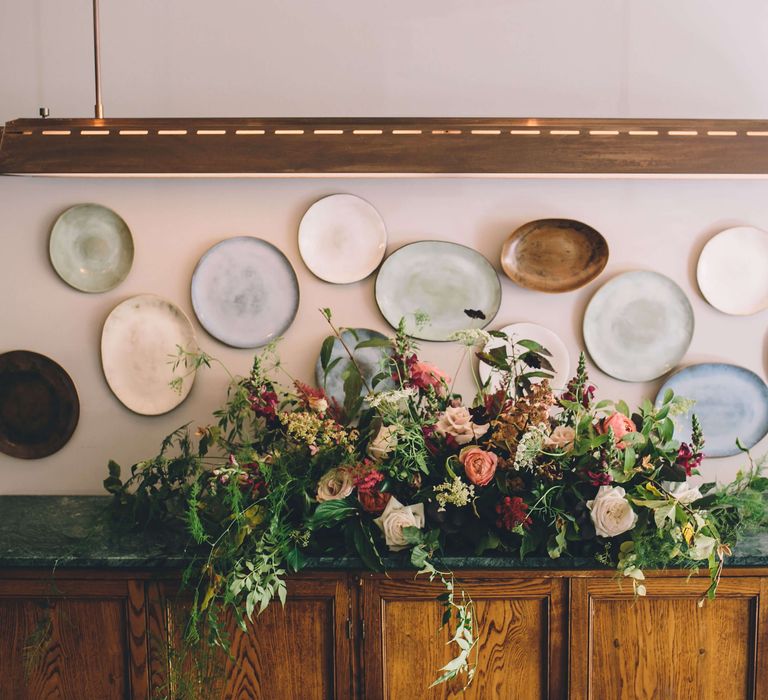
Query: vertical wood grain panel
point(63, 649)
point(138, 671)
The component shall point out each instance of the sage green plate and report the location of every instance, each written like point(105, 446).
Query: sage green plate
point(91, 248)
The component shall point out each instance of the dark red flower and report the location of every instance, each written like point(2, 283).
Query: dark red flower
point(512, 512)
point(263, 402)
point(369, 493)
point(599, 478)
point(688, 459)
point(253, 480)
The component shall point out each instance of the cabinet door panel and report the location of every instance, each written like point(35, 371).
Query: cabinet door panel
point(665, 645)
point(520, 627)
point(62, 649)
point(299, 651)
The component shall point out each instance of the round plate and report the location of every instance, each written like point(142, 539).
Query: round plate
point(554, 255)
point(733, 271)
point(139, 341)
point(342, 238)
point(638, 326)
point(560, 359)
point(245, 292)
point(438, 288)
point(91, 248)
point(39, 408)
point(369, 360)
point(731, 402)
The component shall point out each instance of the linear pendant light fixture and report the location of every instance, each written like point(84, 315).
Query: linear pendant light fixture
point(395, 147)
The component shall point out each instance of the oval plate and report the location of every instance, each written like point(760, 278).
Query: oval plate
point(554, 255)
point(245, 292)
point(342, 238)
point(369, 360)
point(39, 407)
point(91, 248)
point(638, 326)
point(141, 336)
point(731, 402)
point(438, 288)
point(560, 360)
point(733, 271)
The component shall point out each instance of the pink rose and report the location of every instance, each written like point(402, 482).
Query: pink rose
point(479, 465)
point(620, 424)
point(456, 421)
point(425, 375)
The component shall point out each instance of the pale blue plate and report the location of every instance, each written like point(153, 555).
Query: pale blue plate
point(731, 402)
point(369, 360)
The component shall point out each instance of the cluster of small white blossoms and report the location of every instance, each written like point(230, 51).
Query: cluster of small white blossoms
point(389, 399)
point(455, 492)
point(529, 447)
point(470, 337)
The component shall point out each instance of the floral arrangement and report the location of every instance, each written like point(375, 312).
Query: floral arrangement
point(286, 473)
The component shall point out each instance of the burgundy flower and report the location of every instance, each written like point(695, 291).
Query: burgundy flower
point(512, 512)
point(688, 459)
point(263, 402)
point(253, 480)
point(369, 493)
point(599, 478)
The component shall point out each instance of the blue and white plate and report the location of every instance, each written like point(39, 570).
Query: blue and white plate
point(245, 292)
point(731, 402)
point(638, 326)
point(369, 360)
point(437, 288)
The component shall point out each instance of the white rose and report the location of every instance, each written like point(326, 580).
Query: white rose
point(457, 422)
point(681, 491)
point(384, 442)
point(335, 483)
point(395, 518)
point(611, 512)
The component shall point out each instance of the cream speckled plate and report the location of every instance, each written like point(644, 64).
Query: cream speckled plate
point(140, 338)
point(91, 248)
point(342, 238)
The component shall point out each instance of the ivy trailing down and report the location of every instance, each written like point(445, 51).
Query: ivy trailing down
point(285, 472)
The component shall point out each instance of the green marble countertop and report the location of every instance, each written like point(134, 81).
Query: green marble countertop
point(77, 532)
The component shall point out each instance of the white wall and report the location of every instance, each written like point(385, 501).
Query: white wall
point(692, 58)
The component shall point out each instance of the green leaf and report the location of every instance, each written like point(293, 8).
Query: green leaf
point(413, 535)
point(623, 408)
point(329, 513)
point(533, 345)
point(353, 387)
point(325, 353)
point(112, 484)
point(365, 545)
point(114, 469)
point(374, 343)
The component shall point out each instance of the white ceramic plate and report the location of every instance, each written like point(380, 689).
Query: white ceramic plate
point(560, 359)
point(342, 238)
point(245, 292)
point(433, 284)
point(733, 271)
point(638, 326)
point(91, 248)
point(139, 340)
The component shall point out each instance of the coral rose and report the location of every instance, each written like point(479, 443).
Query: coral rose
point(456, 421)
point(479, 465)
point(335, 483)
point(620, 424)
point(425, 375)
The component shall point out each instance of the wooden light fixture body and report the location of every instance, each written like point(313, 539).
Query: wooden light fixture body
point(398, 147)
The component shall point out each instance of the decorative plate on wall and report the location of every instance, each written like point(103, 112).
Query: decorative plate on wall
point(638, 326)
point(39, 407)
point(141, 336)
point(560, 360)
point(438, 288)
point(554, 255)
point(91, 248)
point(342, 238)
point(733, 271)
point(245, 292)
point(369, 360)
point(731, 402)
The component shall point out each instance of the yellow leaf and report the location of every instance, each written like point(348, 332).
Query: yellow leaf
point(654, 490)
point(688, 533)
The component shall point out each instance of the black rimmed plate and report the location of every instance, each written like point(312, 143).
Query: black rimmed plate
point(39, 408)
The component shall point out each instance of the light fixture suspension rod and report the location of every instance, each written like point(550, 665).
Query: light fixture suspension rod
point(98, 109)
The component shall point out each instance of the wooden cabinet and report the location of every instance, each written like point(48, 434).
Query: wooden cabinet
point(567, 634)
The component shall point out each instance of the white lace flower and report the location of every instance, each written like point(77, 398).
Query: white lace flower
point(455, 492)
point(530, 446)
point(471, 337)
point(389, 399)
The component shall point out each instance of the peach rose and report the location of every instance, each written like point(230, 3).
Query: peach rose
point(334, 484)
point(456, 421)
point(620, 424)
point(479, 465)
point(424, 375)
point(562, 438)
point(384, 442)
